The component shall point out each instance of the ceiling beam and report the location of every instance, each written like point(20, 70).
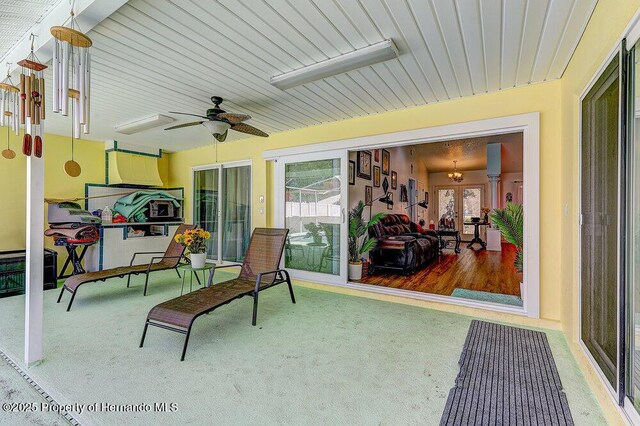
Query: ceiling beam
point(89, 13)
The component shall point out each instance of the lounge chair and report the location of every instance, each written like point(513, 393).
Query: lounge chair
point(170, 259)
point(260, 271)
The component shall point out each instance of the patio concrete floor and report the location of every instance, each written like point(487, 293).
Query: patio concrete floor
point(329, 359)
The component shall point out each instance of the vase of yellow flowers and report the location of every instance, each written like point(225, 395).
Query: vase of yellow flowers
point(195, 241)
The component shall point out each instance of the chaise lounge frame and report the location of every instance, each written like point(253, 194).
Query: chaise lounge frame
point(169, 259)
point(179, 314)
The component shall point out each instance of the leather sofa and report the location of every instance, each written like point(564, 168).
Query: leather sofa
point(403, 246)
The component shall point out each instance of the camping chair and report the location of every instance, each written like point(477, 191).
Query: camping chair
point(260, 271)
point(170, 259)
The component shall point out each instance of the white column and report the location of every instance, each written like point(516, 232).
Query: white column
point(34, 290)
point(494, 239)
point(495, 190)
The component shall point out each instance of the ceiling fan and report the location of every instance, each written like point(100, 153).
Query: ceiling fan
point(218, 122)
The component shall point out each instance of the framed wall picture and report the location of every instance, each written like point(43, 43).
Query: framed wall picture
point(426, 197)
point(364, 164)
point(386, 162)
point(352, 172)
point(404, 198)
point(368, 195)
point(376, 176)
point(376, 155)
point(394, 180)
point(390, 206)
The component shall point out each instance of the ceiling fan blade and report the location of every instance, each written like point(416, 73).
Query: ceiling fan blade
point(245, 128)
point(179, 126)
point(234, 118)
point(186, 113)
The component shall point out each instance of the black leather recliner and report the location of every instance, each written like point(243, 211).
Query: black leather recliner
point(403, 246)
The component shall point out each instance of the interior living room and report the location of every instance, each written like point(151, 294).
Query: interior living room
point(251, 211)
point(436, 235)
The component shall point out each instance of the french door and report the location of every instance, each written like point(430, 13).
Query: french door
point(459, 204)
point(311, 201)
point(222, 206)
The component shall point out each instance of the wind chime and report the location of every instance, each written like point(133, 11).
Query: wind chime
point(9, 104)
point(71, 81)
point(32, 111)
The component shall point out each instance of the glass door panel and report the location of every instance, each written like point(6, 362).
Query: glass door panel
point(236, 212)
point(633, 238)
point(313, 214)
point(447, 201)
point(471, 207)
point(599, 217)
point(205, 206)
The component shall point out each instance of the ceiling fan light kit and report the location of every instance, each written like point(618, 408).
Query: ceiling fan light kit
point(143, 124)
point(378, 52)
point(217, 127)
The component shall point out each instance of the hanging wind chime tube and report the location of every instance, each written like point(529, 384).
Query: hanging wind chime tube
point(9, 104)
point(72, 75)
point(32, 105)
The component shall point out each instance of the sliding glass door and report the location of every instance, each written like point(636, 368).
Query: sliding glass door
point(222, 206)
point(633, 245)
point(599, 217)
point(311, 203)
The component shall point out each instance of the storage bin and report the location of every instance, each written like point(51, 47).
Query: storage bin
point(12, 271)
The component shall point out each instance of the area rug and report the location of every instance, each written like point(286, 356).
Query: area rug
point(507, 376)
point(485, 296)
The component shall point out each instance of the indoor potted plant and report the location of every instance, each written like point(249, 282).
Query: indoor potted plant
point(510, 223)
point(359, 241)
point(194, 240)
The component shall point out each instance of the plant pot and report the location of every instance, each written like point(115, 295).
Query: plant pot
point(355, 271)
point(198, 260)
point(317, 240)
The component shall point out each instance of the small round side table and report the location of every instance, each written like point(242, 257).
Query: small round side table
point(191, 271)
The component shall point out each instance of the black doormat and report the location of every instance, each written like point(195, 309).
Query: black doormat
point(507, 376)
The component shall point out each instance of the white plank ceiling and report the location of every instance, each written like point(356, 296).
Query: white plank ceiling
point(16, 18)
point(155, 56)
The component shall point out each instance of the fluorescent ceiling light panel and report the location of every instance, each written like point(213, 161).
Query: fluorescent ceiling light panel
point(379, 52)
point(144, 124)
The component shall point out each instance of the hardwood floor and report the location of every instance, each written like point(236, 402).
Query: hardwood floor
point(472, 269)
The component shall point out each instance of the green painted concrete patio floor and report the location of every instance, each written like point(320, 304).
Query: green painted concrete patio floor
point(329, 359)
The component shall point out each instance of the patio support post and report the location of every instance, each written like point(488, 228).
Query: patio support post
point(34, 288)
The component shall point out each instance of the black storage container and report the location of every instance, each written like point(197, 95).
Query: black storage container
point(12, 271)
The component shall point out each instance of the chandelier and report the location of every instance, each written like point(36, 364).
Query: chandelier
point(455, 176)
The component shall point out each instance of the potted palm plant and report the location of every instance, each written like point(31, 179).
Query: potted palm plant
point(510, 223)
point(359, 241)
point(314, 232)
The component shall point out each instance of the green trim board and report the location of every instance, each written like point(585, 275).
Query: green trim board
point(128, 151)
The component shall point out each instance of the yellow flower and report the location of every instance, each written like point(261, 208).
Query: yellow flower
point(207, 235)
